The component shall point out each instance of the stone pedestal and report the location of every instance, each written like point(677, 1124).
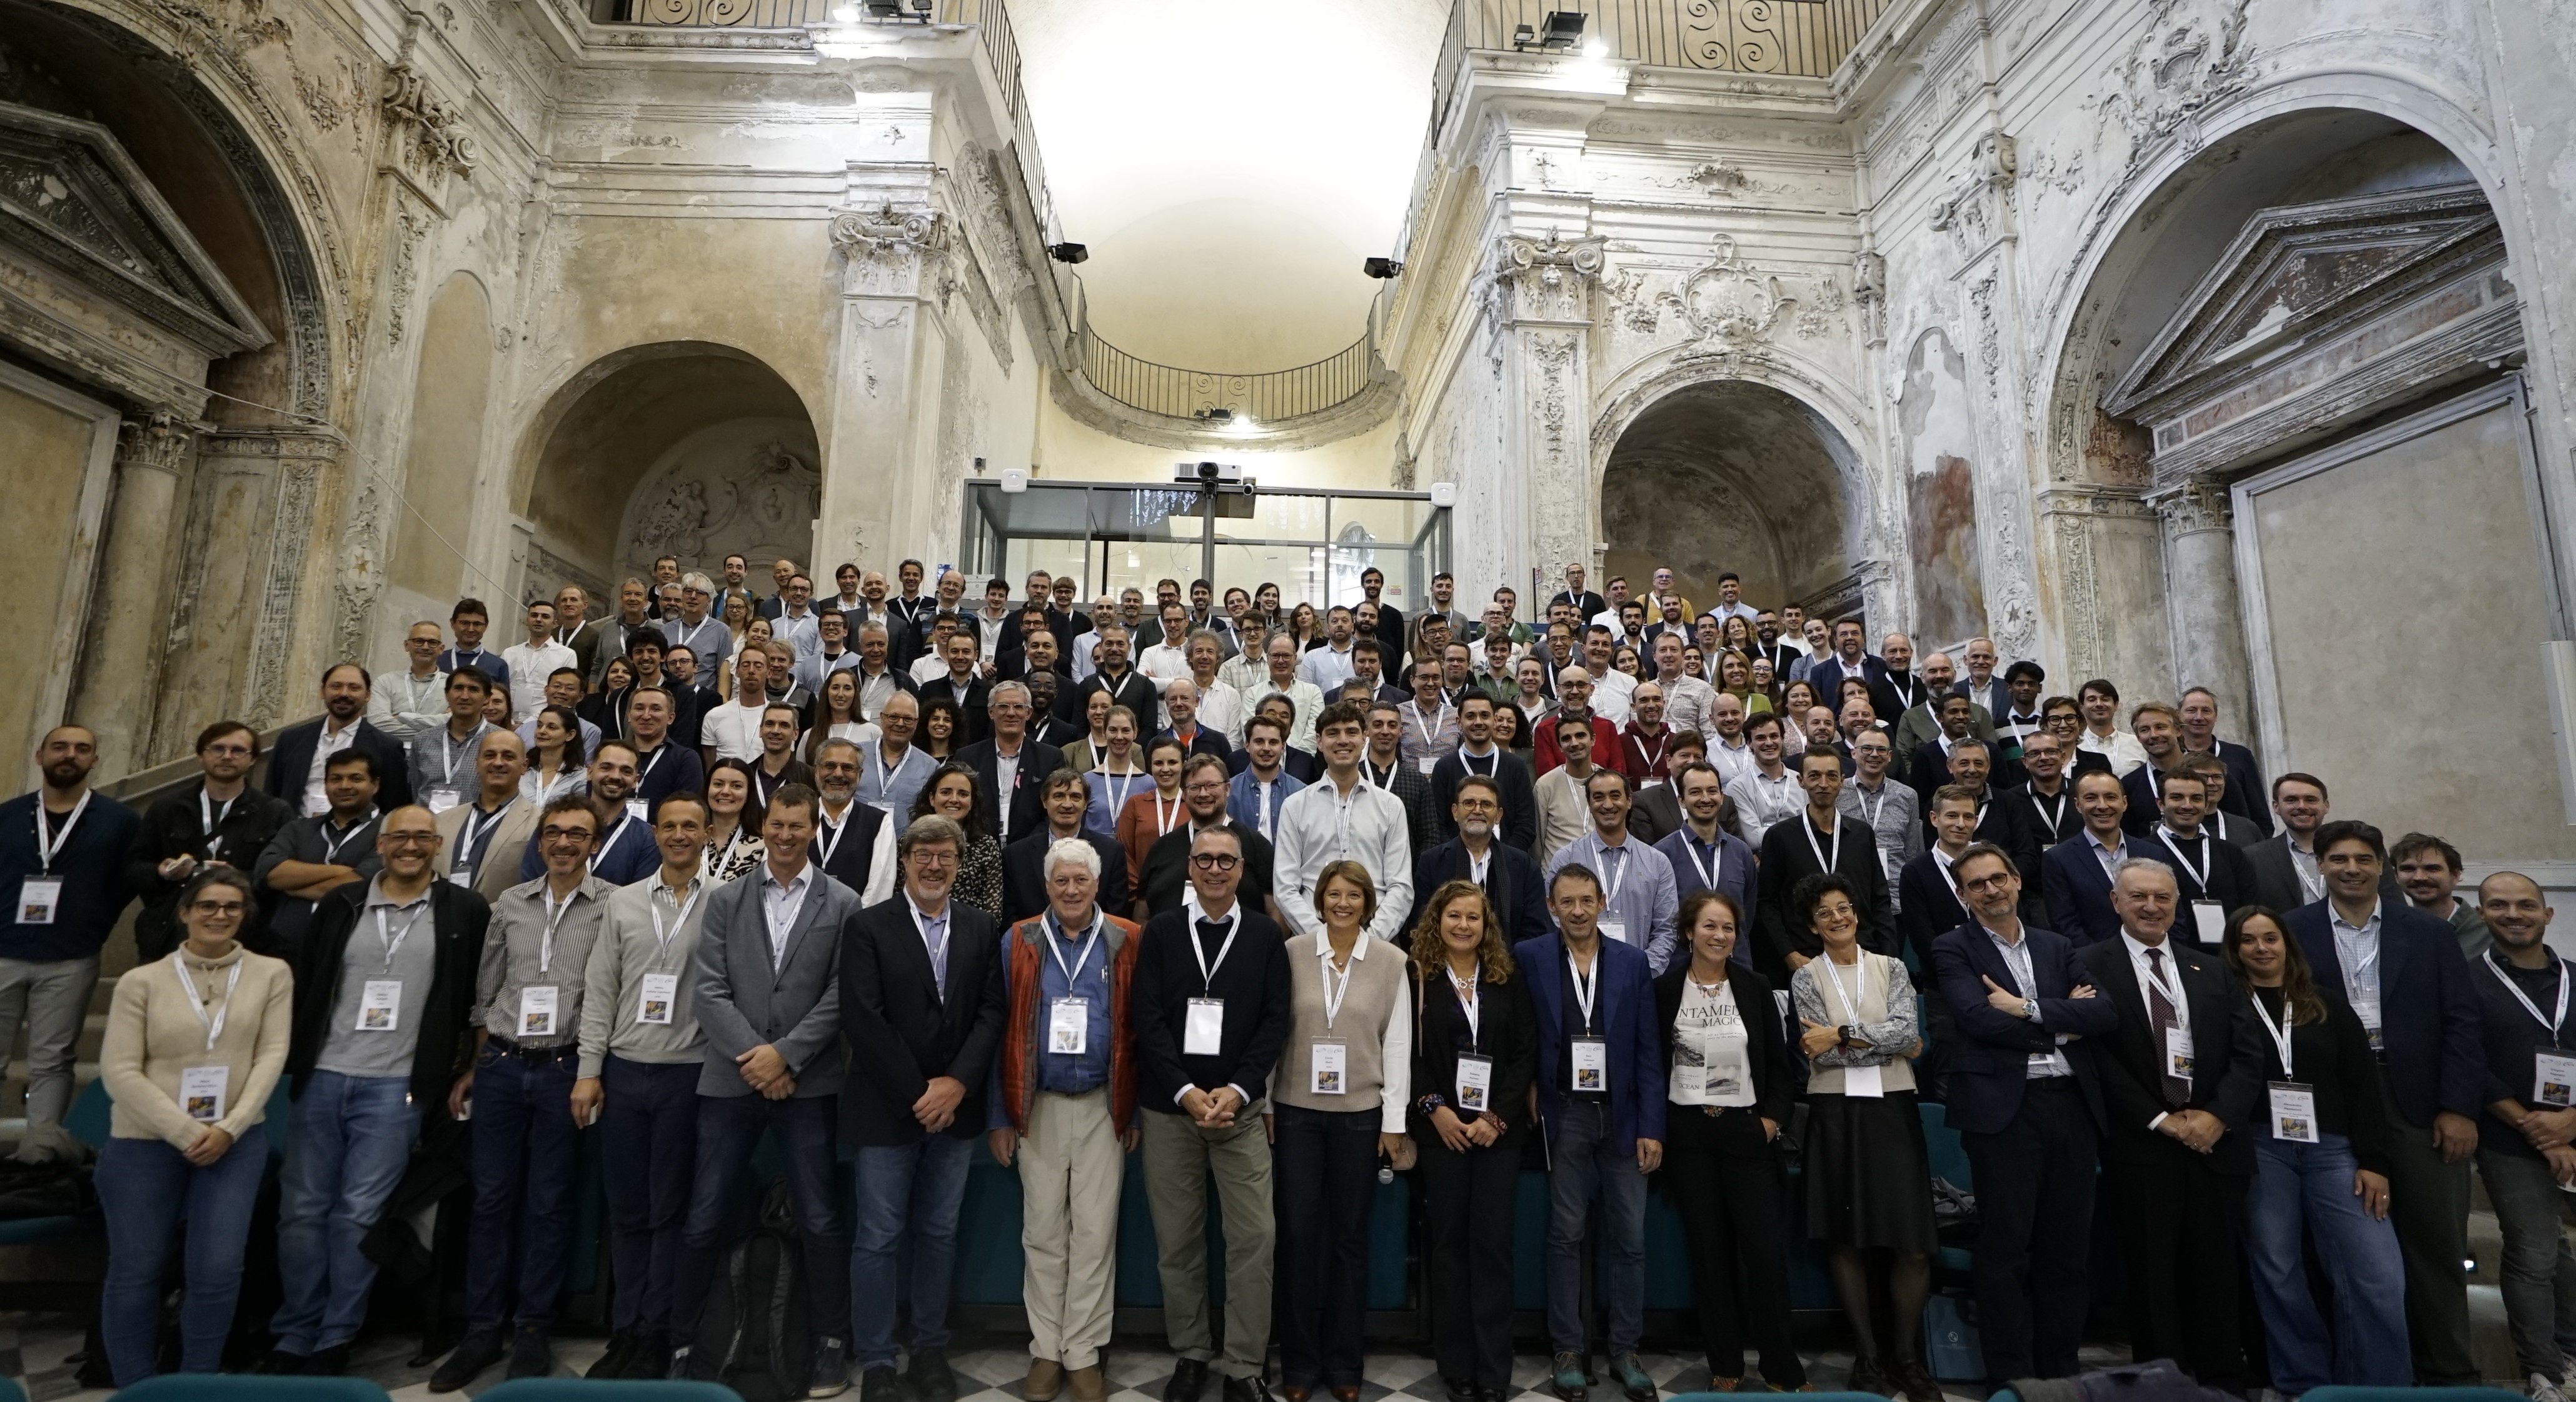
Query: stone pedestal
point(121, 664)
point(1542, 510)
point(2201, 599)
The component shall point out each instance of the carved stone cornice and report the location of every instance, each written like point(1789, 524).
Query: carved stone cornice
point(2095, 499)
point(1546, 280)
point(428, 133)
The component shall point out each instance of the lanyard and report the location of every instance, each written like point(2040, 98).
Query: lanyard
point(393, 942)
point(1709, 870)
point(209, 817)
point(1834, 971)
point(2496, 967)
point(2208, 856)
point(828, 834)
point(658, 752)
point(1860, 800)
point(2053, 819)
point(1207, 971)
point(1655, 761)
point(662, 938)
point(554, 918)
point(1469, 999)
point(1334, 993)
point(1055, 932)
point(1585, 989)
point(885, 776)
point(1823, 861)
point(1370, 772)
point(611, 840)
point(468, 843)
point(1430, 728)
point(49, 844)
point(1610, 879)
point(1492, 760)
point(197, 1003)
point(1164, 821)
point(331, 849)
point(2281, 1034)
point(1117, 791)
point(447, 748)
point(2172, 991)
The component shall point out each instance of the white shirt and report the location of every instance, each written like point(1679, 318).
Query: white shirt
point(1687, 700)
point(2172, 982)
point(1221, 710)
point(529, 668)
point(2016, 955)
point(1610, 695)
point(733, 730)
point(2122, 749)
point(1163, 662)
point(929, 667)
point(780, 905)
point(1317, 826)
point(1325, 667)
point(1762, 802)
point(315, 803)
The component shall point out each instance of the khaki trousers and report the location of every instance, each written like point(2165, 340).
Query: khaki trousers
point(1179, 1159)
point(1071, 1169)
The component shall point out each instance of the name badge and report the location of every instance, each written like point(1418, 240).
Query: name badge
point(1205, 1030)
point(537, 1010)
point(201, 1092)
point(1591, 1059)
point(2294, 1113)
point(380, 1005)
point(2553, 1080)
point(660, 992)
point(2209, 921)
point(1475, 1083)
point(1426, 764)
point(1069, 1026)
point(440, 800)
point(2178, 1051)
point(37, 898)
point(2367, 1009)
point(1327, 1064)
point(635, 809)
point(460, 877)
point(1616, 930)
point(1864, 1083)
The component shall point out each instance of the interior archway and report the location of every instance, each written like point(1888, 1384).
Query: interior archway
point(688, 449)
point(1730, 475)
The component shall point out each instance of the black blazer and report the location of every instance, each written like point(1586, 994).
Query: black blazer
point(1520, 796)
point(1514, 885)
point(899, 1027)
point(2078, 893)
point(1024, 891)
point(2227, 1057)
point(2231, 876)
point(2276, 877)
point(973, 721)
point(1253, 982)
point(443, 1042)
point(1656, 813)
point(290, 763)
point(1785, 857)
point(1163, 881)
point(1133, 690)
point(170, 828)
point(1506, 1030)
point(1764, 1043)
point(1990, 1050)
point(1925, 910)
point(1028, 811)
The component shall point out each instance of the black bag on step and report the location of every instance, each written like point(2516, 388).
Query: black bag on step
point(753, 1335)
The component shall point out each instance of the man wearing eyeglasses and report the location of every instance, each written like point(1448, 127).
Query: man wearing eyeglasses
point(220, 818)
point(1162, 881)
point(384, 999)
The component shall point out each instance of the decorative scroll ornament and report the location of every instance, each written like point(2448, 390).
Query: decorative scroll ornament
point(429, 133)
point(887, 234)
point(1972, 209)
point(1546, 279)
point(1728, 303)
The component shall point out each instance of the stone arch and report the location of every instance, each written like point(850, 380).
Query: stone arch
point(689, 448)
point(442, 459)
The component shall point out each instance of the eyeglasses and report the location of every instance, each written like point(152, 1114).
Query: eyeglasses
point(1213, 861)
point(935, 859)
point(409, 839)
point(234, 908)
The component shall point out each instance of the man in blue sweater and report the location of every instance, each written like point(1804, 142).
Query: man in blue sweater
point(62, 854)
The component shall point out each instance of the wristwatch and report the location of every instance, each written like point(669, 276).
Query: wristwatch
point(2030, 1010)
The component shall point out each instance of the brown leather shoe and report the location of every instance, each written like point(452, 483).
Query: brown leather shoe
point(1045, 1380)
point(1295, 1394)
point(1089, 1384)
point(1346, 1394)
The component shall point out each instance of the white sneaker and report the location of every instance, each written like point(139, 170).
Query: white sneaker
point(2543, 1390)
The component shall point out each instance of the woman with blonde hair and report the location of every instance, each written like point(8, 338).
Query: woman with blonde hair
point(1475, 1051)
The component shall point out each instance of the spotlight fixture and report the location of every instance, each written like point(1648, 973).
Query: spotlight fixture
point(884, 9)
point(1562, 29)
point(1069, 252)
point(1523, 36)
point(1215, 418)
point(1382, 267)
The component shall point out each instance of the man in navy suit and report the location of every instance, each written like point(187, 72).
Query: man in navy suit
point(296, 762)
point(1849, 660)
point(2075, 875)
point(1601, 1101)
point(2400, 971)
point(2027, 1113)
point(1011, 804)
point(2244, 796)
point(1478, 853)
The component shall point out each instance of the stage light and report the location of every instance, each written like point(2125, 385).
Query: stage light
point(1563, 29)
point(1382, 267)
point(1068, 252)
point(1523, 36)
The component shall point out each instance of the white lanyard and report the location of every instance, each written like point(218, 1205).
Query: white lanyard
point(2496, 968)
point(828, 834)
point(393, 942)
point(1860, 800)
point(196, 1001)
point(1055, 946)
point(1334, 993)
point(49, 844)
point(1610, 879)
point(2208, 856)
point(2172, 991)
point(1117, 791)
point(1164, 821)
point(1709, 870)
point(885, 776)
point(330, 849)
point(2281, 1034)
point(1834, 971)
point(658, 752)
point(1369, 772)
point(1586, 990)
point(1824, 861)
point(662, 938)
point(690, 633)
point(1430, 728)
point(1655, 761)
point(610, 840)
point(447, 749)
point(1467, 761)
point(2054, 819)
point(554, 917)
point(473, 833)
point(1207, 971)
point(1941, 862)
point(1469, 999)
point(208, 815)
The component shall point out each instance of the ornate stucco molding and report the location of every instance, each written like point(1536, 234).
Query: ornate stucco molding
point(157, 443)
point(1546, 279)
point(886, 247)
point(2197, 506)
point(428, 133)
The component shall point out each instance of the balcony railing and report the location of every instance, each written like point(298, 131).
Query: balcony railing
point(1263, 397)
point(1796, 38)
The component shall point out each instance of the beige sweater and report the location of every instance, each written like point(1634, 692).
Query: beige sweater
point(153, 1032)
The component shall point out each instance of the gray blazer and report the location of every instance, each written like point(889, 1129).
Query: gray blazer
point(742, 1002)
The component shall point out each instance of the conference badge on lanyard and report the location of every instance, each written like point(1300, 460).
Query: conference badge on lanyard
point(2294, 1103)
point(2553, 1071)
point(1069, 1018)
point(202, 1089)
point(40, 896)
point(1589, 1055)
point(1475, 1083)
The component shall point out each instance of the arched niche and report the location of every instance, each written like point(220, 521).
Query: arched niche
point(450, 394)
point(684, 448)
point(1731, 475)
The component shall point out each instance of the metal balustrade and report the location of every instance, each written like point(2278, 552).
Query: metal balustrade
point(1263, 397)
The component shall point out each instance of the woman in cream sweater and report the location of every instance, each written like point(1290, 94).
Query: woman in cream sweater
point(194, 1046)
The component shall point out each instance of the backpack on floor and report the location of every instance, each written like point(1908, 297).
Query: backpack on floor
point(753, 1335)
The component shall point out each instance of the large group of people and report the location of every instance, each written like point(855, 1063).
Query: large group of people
point(889, 878)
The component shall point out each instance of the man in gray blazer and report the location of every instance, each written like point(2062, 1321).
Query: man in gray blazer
point(768, 996)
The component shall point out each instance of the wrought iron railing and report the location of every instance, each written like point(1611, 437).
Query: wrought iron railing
point(1263, 397)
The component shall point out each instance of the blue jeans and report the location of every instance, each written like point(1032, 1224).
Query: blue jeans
point(914, 1191)
point(1587, 1161)
point(522, 1165)
point(650, 1119)
point(723, 1198)
point(353, 1138)
point(146, 1188)
point(2306, 1190)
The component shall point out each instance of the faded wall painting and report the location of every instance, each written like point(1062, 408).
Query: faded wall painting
point(1941, 495)
point(748, 486)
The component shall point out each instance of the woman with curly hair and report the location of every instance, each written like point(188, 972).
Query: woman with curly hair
point(951, 794)
point(1475, 1050)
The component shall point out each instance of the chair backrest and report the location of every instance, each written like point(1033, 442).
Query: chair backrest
point(586, 1390)
point(224, 1387)
point(10, 1391)
point(1724, 1397)
point(2411, 1394)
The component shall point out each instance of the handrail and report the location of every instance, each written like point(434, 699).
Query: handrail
point(1262, 396)
point(138, 788)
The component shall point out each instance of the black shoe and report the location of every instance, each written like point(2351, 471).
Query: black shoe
point(1189, 1379)
point(1489, 1394)
point(278, 1362)
point(332, 1362)
point(829, 1374)
point(651, 1358)
point(879, 1384)
point(678, 1368)
point(930, 1376)
point(480, 1349)
point(622, 1348)
point(532, 1354)
point(1246, 1390)
point(1460, 1390)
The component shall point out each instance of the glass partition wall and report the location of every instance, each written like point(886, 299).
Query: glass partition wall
point(1116, 535)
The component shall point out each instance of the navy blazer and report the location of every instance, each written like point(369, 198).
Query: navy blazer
point(1520, 796)
point(2077, 892)
point(1925, 908)
point(1989, 1061)
point(1625, 1018)
point(1514, 886)
point(2429, 1020)
point(1028, 808)
point(2227, 1063)
point(900, 1026)
point(1205, 742)
point(290, 762)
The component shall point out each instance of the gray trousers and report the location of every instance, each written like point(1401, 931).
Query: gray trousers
point(52, 999)
point(2539, 1283)
point(1179, 1159)
point(2428, 1203)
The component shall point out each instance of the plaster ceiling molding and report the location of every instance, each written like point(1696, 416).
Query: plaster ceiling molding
point(1732, 306)
point(73, 200)
point(2317, 313)
point(2188, 57)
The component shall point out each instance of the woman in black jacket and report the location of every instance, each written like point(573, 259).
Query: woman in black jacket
point(1729, 1090)
point(1475, 1050)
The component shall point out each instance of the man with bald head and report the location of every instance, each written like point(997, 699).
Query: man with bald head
point(1181, 705)
point(2527, 1136)
point(384, 1007)
point(481, 843)
point(1574, 702)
